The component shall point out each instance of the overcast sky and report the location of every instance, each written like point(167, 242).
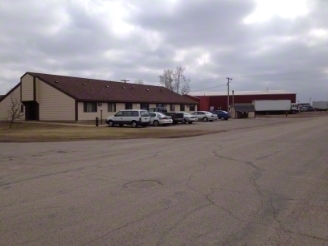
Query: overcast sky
point(275, 44)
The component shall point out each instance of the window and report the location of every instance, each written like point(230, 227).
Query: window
point(111, 107)
point(128, 106)
point(192, 107)
point(144, 106)
point(144, 113)
point(90, 107)
point(159, 105)
point(130, 113)
point(172, 107)
point(22, 108)
point(182, 107)
point(126, 113)
point(119, 114)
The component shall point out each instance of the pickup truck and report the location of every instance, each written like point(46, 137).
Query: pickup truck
point(177, 117)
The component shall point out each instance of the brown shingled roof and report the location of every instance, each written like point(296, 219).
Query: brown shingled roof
point(83, 89)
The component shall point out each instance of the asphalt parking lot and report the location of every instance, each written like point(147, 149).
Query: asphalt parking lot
point(261, 181)
point(231, 124)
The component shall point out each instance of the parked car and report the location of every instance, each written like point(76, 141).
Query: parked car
point(133, 117)
point(188, 118)
point(307, 108)
point(157, 118)
point(223, 115)
point(205, 116)
point(176, 117)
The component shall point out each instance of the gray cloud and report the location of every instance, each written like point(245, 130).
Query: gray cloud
point(138, 40)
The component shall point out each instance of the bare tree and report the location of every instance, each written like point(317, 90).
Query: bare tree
point(175, 80)
point(185, 87)
point(14, 112)
point(167, 79)
point(139, 82)
point(181, 83)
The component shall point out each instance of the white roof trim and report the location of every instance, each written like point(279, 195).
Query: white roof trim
point(237, 93)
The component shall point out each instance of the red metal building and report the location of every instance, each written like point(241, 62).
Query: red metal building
point(217, 100)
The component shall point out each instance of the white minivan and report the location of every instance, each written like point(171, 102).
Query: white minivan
point(133, 117)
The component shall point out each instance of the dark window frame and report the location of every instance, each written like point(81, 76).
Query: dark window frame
point(94, 107)
point(127, 106)
point(172, 107)
point(182, 107)
point(112, 105)
point(144, 104)
point(192, 107)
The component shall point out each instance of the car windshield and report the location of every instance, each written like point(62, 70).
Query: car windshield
point(161, 115)
point(144, 113)
point(187, 114)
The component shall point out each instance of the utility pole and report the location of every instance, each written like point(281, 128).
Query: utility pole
point(228, 92)
point(125, 80)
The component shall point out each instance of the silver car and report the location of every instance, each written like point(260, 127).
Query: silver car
point(188, 118)
point(205, 116)
point(133, 117)
point(157, 118)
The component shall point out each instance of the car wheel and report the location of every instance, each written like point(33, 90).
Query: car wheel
point(190, 122)
point(134, 124)
point(205, 119)
point(110, 123)
point(184, 121)
point(156, 123)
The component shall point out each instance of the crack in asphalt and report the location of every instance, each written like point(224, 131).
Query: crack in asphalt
point(208, 199)
point(6, 183)
point(123, 226)
point(267, 156)
point(275, 217)
point(163, 235)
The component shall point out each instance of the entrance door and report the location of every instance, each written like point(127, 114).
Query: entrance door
point(31, 111)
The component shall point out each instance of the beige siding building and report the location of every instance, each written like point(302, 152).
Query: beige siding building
point(6, 102)
point(53, 104)
point(48, 97)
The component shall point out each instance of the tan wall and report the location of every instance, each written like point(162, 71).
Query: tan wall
point(27, 88)
point(177, 107)
point(53, 104)
point(251, 115)
point(6, 103)
point(92, 115)
point(119, 106)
